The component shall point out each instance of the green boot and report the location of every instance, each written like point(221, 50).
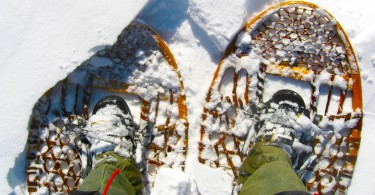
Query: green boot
point(268, 168)
point(110, 132)
point(127, 178)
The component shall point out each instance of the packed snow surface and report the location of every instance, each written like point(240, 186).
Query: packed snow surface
point(43, 42)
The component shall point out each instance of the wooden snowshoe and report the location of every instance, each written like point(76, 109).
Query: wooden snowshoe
point(293, 45)
point(138, 67)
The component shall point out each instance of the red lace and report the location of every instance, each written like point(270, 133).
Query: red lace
point(114, 174)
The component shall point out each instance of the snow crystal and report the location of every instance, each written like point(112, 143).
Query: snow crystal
point(324, 77)
point(180, 129)
point(306, 124)
point(299, 147)
point(139, 53)
point(43, 190)
point(280, 53)
point(242, 126)
point(43, 132)
point(345, 181)
point(338, 124)
point(159, 140)
point(243, 39)
point(250, 63)
point(214, 126)
point(209, 154)
point(340, 82)
point(309, 177)
point(323, 163)
point(57, 150)
point(174, 112)
point(339, 164)
point(329, 183)
point(170, 159)
point(58, 180)
point(215, 99)
point(318, 148)
point(236, 160)
point(351, 123)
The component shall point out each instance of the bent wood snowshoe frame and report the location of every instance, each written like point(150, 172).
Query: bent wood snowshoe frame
point(57, 156)
point(293, 42)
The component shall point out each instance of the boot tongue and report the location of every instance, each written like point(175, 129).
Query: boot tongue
point(108, 120)
point(283, 115)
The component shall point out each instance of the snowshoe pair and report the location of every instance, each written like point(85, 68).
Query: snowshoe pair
point(289, 66)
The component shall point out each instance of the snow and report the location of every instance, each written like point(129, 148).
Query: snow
point(211, 181)
point(171, 181)
point(44, 41)
point(214, 17)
